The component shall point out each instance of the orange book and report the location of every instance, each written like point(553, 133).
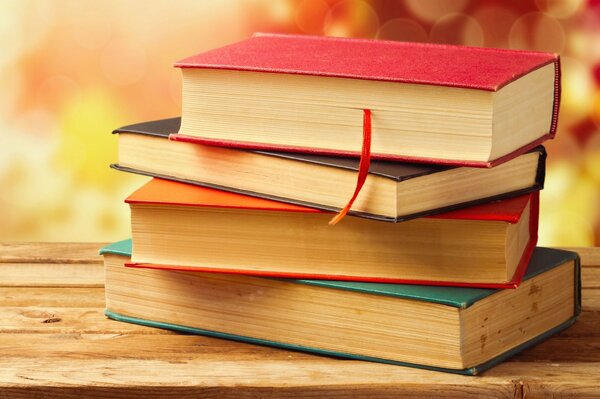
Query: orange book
point(177, 226)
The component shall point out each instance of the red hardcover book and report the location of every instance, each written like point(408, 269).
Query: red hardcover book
point(430, 103)
point(176, 226)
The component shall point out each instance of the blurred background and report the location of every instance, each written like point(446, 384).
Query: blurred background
point(72, 71)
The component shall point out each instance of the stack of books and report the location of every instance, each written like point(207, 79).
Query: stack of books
point(433, 152)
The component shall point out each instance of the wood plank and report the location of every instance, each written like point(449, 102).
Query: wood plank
point(172, 391)
point(562, 349)
point(585, 326)
point(245, 378)
point(65, 320)
point(189, 363)
point(171, 346)
point(545, 380)
point(51, 274)
point(561, 389)
point(590, 256)
point(283, 378)
point(176, 349)
point(590, 277)
point(41, 252)
point(52, 296)
point(135, 346)
point(590, 299)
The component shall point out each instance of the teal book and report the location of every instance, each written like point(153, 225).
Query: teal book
point(451, 329)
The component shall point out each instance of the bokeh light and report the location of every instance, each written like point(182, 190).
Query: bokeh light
point(352, 18)
point(592, 158)
point(310, 16)
point(537, 31)
point(403, 29)
point(432, 10)
point(577, 92)
point(495, 22)
point(559, 8)
point(72, 71)
point(457, 28)
point(131, 64)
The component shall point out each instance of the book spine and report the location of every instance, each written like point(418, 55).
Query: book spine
point(540, 174)
point(557, 94)
point(577, 285)
point(534, 214)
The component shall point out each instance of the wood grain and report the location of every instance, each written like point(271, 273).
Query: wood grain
point(590, 256)
point(590, 277)
point(52, 296)
point(215, 391)
point(43, 252)
point(131, 345)
point(590, 299)
point(65, 320)
point(237, 374)
point(56, 343)
point(51, 274)
point(586, 325)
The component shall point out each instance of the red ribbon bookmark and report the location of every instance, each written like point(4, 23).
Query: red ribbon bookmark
point(363, 167)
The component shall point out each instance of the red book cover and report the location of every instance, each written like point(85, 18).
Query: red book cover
point(402, 62)
point(167, 192)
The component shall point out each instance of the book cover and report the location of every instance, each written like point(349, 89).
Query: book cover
point(390, 61)
point(396, 171)
point(543, 259)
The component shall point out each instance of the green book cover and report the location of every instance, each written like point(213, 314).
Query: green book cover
point(543, 259)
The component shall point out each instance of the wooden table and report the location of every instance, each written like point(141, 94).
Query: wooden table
point(56, 343)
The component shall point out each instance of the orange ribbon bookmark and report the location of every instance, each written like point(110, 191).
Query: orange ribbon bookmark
point(363, 167)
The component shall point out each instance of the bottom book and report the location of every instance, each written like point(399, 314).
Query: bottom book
point(458, 330)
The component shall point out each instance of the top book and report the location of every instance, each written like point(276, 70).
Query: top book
point(429, 103)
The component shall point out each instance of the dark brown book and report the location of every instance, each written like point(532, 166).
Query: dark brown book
point(393, 191)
